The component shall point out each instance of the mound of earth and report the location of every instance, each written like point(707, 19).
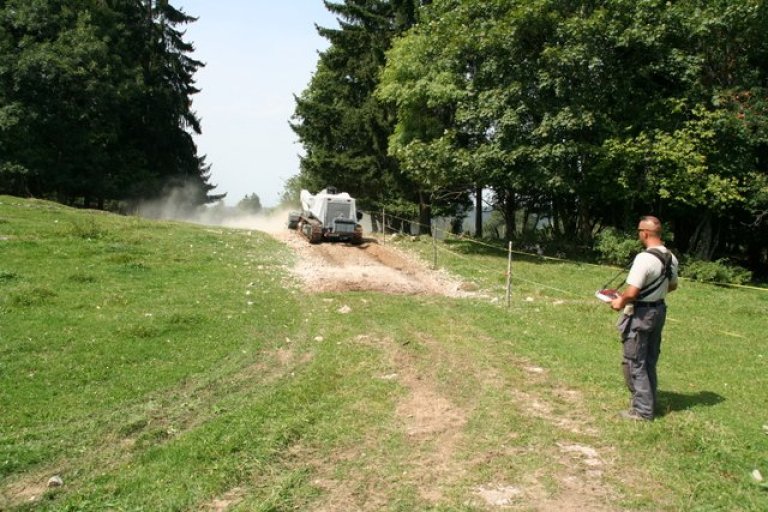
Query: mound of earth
point(371, 266)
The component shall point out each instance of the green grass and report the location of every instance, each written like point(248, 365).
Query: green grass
point(165, 366)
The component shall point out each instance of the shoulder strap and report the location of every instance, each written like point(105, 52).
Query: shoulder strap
point(665, 257)
point(666, 272)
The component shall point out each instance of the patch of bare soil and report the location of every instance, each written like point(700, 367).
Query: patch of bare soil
point(29, 490)
point(230, 499)
point(433, 426)
point(371, 266)
point(579, 469)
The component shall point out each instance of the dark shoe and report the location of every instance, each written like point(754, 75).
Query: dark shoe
point(633, 415)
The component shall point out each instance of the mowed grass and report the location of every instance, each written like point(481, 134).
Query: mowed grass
point(165, 366)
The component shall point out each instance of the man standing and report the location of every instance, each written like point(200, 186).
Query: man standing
point(653, 274)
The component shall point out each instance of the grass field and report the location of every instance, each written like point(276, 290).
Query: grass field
point(166, 366)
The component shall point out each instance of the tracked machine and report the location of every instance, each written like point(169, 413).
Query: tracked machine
point(328, 216)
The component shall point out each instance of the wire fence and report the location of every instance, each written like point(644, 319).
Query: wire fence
point(509, 251)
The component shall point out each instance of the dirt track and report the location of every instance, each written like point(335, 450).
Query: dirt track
point(433, 423)
point(368, 267)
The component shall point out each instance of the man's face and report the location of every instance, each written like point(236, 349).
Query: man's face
point(642, 232)
point(646, 230)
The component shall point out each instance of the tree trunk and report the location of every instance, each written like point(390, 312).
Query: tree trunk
point(509, 208)
point(425, 216)
point(526, 218)
point(583, 223)
point(557, 225)
point(705, 239)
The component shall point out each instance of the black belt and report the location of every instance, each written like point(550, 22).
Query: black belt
point(642, 304)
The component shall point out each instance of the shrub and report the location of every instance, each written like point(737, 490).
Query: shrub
point(719, 271)
point(616, 247)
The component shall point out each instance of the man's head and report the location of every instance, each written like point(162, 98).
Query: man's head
point(649, 230)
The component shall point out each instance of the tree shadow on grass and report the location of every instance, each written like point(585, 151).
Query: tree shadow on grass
point(670, 401)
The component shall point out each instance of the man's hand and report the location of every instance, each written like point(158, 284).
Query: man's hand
point(629, 295)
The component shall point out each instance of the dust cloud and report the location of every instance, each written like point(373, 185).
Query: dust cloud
point(271, 221)
point(326, 267)
point(180, 204)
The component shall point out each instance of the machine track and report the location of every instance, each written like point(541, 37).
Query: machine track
point(370, 266)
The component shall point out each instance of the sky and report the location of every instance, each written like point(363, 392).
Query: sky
point(258, 54)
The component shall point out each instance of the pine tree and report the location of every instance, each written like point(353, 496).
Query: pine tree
point(96, 101)
point(343, 127)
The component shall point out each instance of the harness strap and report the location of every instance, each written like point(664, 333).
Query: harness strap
point(666, 273)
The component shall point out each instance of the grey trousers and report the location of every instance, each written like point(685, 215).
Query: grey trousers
point(641, 347)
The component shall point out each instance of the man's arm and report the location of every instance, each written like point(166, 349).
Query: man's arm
point(673, 281)
point(629, 295)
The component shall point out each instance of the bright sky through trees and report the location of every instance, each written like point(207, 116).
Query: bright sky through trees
point(258, 54)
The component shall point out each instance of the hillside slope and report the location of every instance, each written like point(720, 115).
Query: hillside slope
point(167, 366)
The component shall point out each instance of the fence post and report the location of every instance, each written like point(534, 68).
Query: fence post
point(509, 276)
point(383, 223)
